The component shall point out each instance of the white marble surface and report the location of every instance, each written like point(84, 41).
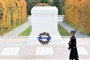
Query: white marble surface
point(82, 51)
point(44, 51)
point(10, 51)
point(44, 19)
point(60, 18)
point(44, 10)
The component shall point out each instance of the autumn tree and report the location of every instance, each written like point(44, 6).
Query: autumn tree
point(11, 13)
point(78, 11)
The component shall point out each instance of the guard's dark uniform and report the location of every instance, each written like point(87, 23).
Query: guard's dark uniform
point(73, 52)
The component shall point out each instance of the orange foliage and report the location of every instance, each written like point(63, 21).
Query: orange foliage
point(13, 12)
point(78, 11)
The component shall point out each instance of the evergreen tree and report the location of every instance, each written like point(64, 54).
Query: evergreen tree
point(63, 2)
point(30, 4)
point(57, 3)
point(60, 4)
point(46, 1)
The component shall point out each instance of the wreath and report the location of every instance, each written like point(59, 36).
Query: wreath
point(47, 38)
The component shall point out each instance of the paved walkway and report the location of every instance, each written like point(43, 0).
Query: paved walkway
point(28, 52)
point(69, 29)
point(19, 30)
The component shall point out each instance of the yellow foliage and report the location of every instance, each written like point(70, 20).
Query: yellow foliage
point(78, 11)
point(12, 12)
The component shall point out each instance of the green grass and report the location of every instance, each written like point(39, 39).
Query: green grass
point(62, 31)
point(81, 29)
point(26, 32)
point(5, 31)
point(70, 24)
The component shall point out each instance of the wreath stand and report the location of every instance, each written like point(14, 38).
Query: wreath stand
point(45, 47)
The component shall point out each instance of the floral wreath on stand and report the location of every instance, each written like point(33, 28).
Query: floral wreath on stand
point(47, 38)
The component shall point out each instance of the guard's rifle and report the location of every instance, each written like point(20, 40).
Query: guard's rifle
point(74, 34)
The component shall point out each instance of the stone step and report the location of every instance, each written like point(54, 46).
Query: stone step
point(38, 59)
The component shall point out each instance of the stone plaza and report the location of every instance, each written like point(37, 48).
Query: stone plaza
point(28, 52)
point(28, 47)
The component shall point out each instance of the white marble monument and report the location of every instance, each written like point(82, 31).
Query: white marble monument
point(44, 19)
